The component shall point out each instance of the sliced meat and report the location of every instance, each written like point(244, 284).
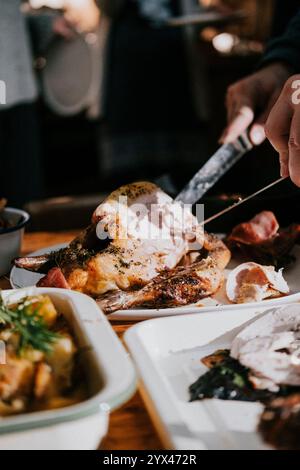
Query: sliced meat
point(270, 348)
point(252, 282)
point(284, 241)
point(261, 241)
point(261, 228)
point(54, 278)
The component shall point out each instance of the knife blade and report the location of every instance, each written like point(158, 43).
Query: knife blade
point(214, 169)
point(241, 201)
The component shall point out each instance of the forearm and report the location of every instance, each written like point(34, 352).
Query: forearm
point(286, 48)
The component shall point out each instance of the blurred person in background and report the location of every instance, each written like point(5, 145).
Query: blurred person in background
point(20, 158)
point(264, 101)
point(155, 94)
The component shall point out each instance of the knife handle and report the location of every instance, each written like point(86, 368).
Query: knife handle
point(243, 142)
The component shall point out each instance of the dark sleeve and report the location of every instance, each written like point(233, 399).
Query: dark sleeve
point(111, 8)
point(285, 48)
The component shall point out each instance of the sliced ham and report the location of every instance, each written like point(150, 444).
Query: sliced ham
point(261, 228)
point(54, 278)
point(262, 241)
point(252, 282)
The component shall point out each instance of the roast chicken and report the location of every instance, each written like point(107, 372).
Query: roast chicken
point(137, 234)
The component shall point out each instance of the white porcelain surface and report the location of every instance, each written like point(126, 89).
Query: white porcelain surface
point(20, 278)
point(167, 353)
point(110, 375)
point(83, 434)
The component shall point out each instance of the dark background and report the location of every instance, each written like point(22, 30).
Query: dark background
point(72, 149)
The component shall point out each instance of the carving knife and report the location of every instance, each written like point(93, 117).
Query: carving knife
point(214, 169)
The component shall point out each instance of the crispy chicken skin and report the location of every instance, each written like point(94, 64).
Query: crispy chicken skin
point(176, 287)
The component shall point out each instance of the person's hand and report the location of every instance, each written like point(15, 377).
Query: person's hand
point(250, 100)
point(283, 129)
point(83, 14)
point(62, 27)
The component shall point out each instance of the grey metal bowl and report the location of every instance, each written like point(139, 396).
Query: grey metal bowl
point(11, 238)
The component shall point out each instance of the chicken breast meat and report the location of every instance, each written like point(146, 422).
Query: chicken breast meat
point(270, 348)
point(136, 234)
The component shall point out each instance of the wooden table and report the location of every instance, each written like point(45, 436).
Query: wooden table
point(130, 427)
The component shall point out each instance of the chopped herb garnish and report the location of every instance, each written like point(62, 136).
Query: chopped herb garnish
point(79, 256)
point(30, 326)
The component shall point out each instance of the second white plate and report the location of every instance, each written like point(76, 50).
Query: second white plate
point(167, 353)
point(20, 278)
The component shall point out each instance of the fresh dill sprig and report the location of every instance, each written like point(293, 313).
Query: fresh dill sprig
point(29, 325)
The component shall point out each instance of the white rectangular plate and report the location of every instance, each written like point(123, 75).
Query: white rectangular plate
point(21, 278)
point(167, 354)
